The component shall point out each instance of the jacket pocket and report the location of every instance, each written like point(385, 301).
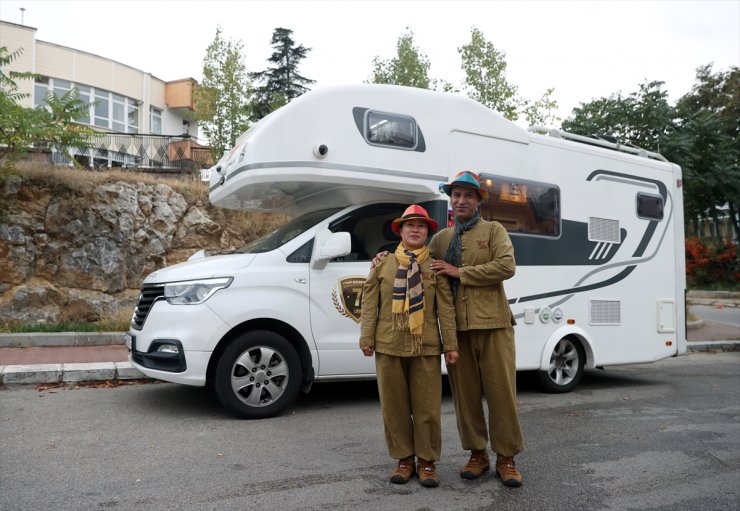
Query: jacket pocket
point(486, 305)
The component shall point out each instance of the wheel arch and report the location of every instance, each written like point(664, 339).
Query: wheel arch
point(273, 325)
point(574, 333)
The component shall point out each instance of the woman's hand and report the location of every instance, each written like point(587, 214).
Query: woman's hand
point(440, 267)
point(368, 351)
point(451, 357)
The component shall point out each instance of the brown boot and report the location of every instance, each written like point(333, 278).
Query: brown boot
point(506, 470)
point(427, 473)
point(477, 464)
point(404, 471)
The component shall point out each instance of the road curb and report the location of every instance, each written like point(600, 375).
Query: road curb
point(111, 371)
point(42, 339)
point(69, 373)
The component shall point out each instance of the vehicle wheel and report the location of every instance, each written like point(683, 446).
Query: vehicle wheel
point(566, 367)
point(258, 375)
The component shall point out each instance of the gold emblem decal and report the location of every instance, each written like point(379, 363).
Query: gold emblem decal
point(347, 296)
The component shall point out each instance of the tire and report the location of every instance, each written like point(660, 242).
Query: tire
point(258, 375)
point(566, 367)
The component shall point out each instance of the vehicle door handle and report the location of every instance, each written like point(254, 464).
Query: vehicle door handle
point(300, 280)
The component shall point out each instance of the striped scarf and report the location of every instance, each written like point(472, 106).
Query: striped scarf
point(454, 250)
point(408, 293)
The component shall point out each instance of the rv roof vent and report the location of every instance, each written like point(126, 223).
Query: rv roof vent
point(605, 312)
point(603, 229)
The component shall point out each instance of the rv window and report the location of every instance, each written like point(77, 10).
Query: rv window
point(522, 206)
point(649, 207)
point(390, 130)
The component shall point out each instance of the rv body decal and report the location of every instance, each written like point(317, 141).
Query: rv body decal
point(572, 248)
point(537, 251)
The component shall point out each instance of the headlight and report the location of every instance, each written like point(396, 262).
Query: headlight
point(193, 292)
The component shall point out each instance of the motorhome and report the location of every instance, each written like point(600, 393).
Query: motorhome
point(597, 229)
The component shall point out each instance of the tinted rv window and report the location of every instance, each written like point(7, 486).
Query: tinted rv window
point(390, 130)
point(649, 206)
point(522, 206)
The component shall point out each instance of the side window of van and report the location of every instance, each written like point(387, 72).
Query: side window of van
point(367, 230)
point(526, 207)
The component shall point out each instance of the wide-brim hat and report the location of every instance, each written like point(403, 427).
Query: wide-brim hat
point(413, 212)
point(465, 178)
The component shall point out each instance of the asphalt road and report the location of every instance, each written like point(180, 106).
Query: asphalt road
point(726, 315)
point(663, 436)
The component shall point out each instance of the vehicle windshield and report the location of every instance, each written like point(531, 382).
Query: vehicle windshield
point(287, 232)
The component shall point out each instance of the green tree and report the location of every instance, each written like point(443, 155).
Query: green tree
point(281, 81)
point(541, 112)
point(643, 118)
point(222, 99)
point(485, 76)
point(706, 144)
point(410, 67)
point(21, 128)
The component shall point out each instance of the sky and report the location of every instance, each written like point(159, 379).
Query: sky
point(583, 49)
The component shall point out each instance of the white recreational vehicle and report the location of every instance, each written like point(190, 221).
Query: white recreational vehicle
point(597, 229)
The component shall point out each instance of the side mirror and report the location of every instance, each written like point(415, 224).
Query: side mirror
point(328, 245)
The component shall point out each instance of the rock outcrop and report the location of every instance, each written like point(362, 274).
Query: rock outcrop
point(77, 251)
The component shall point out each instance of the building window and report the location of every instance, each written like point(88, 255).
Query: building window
point(106, 109)
point(40, 90)
point(155, 120)
point(133, 116)
point(526, 207)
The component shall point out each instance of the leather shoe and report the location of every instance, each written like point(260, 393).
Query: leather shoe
point(404, 471)
point(477, 464)
point(507, 472)
point(427, 472)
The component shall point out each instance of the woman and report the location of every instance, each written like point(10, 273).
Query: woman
point(401, 301)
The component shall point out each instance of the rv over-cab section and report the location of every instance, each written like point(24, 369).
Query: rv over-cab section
point(343, 145)
point(350, 144)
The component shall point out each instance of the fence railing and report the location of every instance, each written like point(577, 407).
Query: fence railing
point(133, 151)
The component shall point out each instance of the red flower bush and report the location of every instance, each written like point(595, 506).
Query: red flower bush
point(712, 263)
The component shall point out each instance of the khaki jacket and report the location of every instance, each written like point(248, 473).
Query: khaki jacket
point(487, 261)
point(376, 318)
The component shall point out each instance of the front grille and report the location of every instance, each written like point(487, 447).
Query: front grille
point(149, 294)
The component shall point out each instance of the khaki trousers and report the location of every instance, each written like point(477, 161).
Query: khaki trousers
point(487, 367)
point(410, 390)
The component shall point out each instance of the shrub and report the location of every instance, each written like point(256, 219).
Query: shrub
point(712, 263)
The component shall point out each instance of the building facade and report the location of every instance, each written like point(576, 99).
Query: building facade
point(140, 120)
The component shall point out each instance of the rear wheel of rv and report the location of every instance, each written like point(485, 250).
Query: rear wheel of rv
point(258, 375)
point(566, 366)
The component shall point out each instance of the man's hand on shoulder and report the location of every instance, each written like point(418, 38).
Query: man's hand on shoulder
point(378, 257)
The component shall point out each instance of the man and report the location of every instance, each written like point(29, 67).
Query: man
point(478, 256)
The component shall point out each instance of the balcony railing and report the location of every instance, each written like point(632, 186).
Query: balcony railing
point(133, 151)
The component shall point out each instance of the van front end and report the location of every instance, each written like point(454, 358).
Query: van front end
point(175, 329)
